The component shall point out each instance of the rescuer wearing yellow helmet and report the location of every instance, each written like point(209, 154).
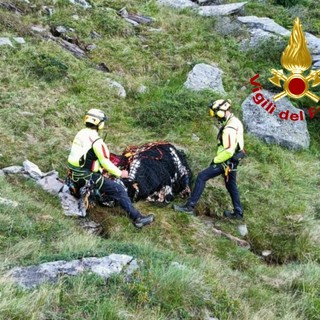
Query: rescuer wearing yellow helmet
point(230, 152)
point(89, 155)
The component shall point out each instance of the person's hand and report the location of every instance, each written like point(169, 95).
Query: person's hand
point(124, 174)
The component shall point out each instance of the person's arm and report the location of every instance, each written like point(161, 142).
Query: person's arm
point(102, 152)
point(229, 144)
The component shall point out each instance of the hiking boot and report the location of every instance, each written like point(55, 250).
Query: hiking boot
point(184, 208)
point(143, 221)
point(232, 215)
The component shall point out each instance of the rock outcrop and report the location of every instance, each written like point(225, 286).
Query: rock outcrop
point(262, 29)
point(221, 10)
point(178, 4)
point(51, 183)
point(32, 276)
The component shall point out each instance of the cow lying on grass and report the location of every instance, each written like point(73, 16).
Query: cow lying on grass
point(157, 172)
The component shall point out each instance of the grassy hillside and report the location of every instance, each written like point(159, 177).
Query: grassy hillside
point(44, 93)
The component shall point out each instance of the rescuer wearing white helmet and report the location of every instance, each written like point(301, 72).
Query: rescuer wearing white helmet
point(230, 152)
point(89, 155)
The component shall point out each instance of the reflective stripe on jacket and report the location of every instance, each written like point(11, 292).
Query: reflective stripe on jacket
point(231, 140)
point(88, 151)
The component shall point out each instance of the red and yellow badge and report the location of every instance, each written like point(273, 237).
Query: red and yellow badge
point(296, 58)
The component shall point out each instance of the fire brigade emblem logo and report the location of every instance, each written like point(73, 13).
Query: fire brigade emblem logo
point(296, 58)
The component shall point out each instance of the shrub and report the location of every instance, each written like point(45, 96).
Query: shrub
point(110, 23)
point(169, 108)
point(48, 67)
point(288, 3)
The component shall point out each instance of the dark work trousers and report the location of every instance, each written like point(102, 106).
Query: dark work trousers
point(231, 185)
point(115, 191)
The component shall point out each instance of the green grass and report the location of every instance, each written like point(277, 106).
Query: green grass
point(44, 93)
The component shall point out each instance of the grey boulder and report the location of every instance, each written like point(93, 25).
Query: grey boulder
point(221, 10)
point(270, 128)
point(32, 276)
point(204, 76)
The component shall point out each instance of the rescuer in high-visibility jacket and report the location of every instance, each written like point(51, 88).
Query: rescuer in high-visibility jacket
point(230, 152)
point(89, 156)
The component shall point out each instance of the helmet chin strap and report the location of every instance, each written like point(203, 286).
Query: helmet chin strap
point(100, 123)
point(222, 120)
point(225, 118)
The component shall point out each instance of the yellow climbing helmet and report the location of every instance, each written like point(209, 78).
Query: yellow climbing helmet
point(95, 117)
point(219, 107)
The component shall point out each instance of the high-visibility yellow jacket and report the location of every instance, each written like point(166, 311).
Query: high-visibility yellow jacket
point(230, 139)
point(89, 152)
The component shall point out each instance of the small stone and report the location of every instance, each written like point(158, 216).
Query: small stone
point(266, 253)
point(243, 229)
point(155, 29)
point(19, 40)
point(13, 169)
point(82, 3)
point(5, 42)
point(39, 29)
point(95, 35)
point(134, 23)
point(48, 10)
point(123, 12)
point(194, 137)
point(75, 17)
point(91, 47)
point(120, 89)
point(32, 169)
point(61, 29)
point(8, 202)
point(142, 89)
point(103, 67)
point(177, 265)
